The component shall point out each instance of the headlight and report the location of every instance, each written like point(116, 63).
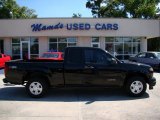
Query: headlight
point(151, 69)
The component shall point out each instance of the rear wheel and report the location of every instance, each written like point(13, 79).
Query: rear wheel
point(37, 87)
point(136, 86)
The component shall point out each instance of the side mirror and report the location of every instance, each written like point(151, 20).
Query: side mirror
point(113, 61)
point(122, 61)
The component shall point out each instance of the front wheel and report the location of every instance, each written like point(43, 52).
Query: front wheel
point(136, 86)
point(36, 87)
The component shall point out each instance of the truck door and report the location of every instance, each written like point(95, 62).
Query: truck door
point(73, 66)
point(99, 69)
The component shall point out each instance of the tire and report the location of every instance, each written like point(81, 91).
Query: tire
point(37, 87)
point(136, 86)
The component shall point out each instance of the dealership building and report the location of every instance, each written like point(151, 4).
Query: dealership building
point(33, 37)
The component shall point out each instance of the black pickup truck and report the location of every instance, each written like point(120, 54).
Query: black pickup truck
point(82, 67)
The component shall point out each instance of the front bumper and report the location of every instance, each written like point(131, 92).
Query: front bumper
point(152, 82)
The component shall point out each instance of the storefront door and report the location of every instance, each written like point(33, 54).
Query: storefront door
point(25, 50)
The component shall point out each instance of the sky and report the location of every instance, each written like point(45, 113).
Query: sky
point(57, 8)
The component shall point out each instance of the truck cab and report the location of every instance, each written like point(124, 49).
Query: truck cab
point(91, 67)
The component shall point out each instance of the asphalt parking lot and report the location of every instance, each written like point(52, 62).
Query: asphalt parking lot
point(78, 104)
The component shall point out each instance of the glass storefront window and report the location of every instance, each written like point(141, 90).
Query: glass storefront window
point(62, 46)
point(16, 47)
point(122, 47)
point(109, 39)
point(25, 39)
point(16, 40)
point(95, 42)
point(34, 40)
point(119, 48)
point(136, 48)
point(127, 48)
point(34, 46)
point(110, 47)
point(62, 40)
point(136, 39)
point(71, 40)
point(118, 39)
point(95, 39)
point(127, 39)
point(59, 44)
point(71, 44)
point(53, 46)
point(52, 39)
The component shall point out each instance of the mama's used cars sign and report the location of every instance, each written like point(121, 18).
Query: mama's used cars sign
point(74, 26)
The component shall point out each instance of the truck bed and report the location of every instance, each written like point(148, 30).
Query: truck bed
point(17, 69)
point(35, 62)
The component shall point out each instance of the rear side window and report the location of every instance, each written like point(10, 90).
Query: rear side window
point(75, 56)
point(50, 55)
point(151, 55)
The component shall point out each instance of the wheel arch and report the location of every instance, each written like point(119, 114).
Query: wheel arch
point(134, 74)
point(37, 74)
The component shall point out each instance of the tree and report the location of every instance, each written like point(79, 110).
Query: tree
point(128, 9)
point(95, 6)
point(77, 15)
point(10, 9)
point(124, 8)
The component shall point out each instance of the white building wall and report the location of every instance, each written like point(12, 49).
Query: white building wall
point(102, 43)
point(84, 41)
point(126, 27)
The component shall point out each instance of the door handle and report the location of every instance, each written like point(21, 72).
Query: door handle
point(89, 67)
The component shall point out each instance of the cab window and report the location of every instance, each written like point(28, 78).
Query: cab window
point(95, 57)
point(151, 55)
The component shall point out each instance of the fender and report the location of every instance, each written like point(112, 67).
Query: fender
point(35, 72)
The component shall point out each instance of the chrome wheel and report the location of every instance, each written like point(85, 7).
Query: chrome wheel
point(36, 88)
point(136, 87)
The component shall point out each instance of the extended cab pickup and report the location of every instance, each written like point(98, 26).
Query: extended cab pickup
point(82, 67)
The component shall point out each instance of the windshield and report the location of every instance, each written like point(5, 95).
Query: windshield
point(112, 57)
point(158, 55)
point(50, 55)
